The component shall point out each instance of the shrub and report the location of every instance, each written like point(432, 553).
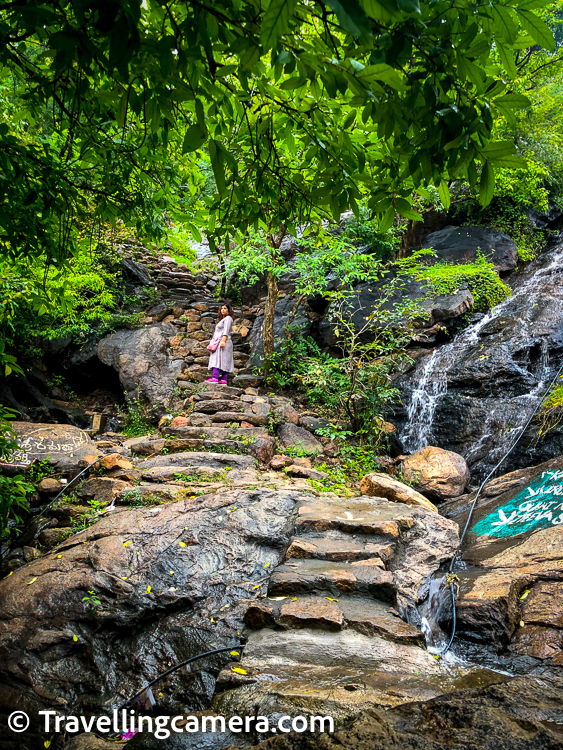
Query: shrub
point(13, 490)
point(482, 281)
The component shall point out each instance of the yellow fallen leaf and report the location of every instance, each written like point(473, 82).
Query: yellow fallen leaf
point(59, 556)
point(182, 544)
point(9, 574)
point(331, 600)
point(126, 543)
point(436, 656)
point(522, 623)
point(257, 586)
point(149, 589)
point(171, 572)
point(266, 565)
point(124, 578)
point(294, 599)
point(47, 743)
point(238, 670)
point(160, 695)
point(33, 579)
point(234, 653)
point(212, 620)
point(525, 594)
point(75, 637)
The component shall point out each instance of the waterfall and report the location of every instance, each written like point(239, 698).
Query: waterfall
point(531, 323)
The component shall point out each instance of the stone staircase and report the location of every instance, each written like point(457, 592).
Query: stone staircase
point(190, 304)
point(326, 635)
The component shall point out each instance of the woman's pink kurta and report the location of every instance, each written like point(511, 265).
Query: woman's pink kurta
point(222, 357)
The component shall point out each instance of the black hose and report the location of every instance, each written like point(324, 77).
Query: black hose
point(173, 669)
point(455, 560)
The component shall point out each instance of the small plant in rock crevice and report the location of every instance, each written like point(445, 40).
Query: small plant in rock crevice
point(93, 599)
point(136, 423)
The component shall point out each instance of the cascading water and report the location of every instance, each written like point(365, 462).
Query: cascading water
point(531, 320)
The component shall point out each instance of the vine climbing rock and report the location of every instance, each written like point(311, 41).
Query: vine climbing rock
point(439, 473)
point(382, 485)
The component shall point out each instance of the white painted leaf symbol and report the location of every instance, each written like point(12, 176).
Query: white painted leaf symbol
point(349, 517)
point(504, 520)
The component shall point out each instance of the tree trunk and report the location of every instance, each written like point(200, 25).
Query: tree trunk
point(274, 241)
point(269, 314)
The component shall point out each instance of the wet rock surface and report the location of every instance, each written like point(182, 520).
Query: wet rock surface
point(524, 714)
point(473, 395)
point(172, 581)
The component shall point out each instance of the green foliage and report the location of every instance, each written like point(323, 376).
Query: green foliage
point(295, 108)
point(93, 599)
point(480, 277)
point(506, 215)
point(365, 233)
point(551, 412)
point(136, 422)
point(13, 490)
point(136, 499)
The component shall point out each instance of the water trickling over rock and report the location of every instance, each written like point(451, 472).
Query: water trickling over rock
point(475, 394)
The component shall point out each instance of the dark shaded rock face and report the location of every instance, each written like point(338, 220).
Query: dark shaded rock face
point(366, 301)
point(284, 309)
point(474, 394)
point(524, 714)
point(462, 244)
point(173, 581)
point(146, 364)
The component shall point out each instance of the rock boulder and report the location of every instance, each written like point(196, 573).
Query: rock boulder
point(439, 473)
point(292, 436)
point(462, 244)
point(147, 367)
point(382, 485)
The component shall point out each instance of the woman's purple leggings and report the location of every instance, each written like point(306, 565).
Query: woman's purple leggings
point(219, 374)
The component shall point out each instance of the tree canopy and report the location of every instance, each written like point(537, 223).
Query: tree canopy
point(300, 108)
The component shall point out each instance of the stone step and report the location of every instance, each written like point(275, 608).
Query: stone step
point(224, 390)
point(340, 549)
point(335, 673)
point(214, 405)
point(236, 416)
point(201, 459)
point(368, 616)
point(233, 441)
point(359, 515)
point(332, 579)
point(214, 433)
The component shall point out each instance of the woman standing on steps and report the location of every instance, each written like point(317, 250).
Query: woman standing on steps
point(221, 360)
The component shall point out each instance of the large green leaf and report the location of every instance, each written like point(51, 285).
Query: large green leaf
point(276, 21)
point(487, 184)
point(512, 101)
point(194, 138)
point(498, 149)
point(444, 193)
point(351, 17)
point(537, 29)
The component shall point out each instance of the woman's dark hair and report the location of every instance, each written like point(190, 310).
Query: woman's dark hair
point(229, 308)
